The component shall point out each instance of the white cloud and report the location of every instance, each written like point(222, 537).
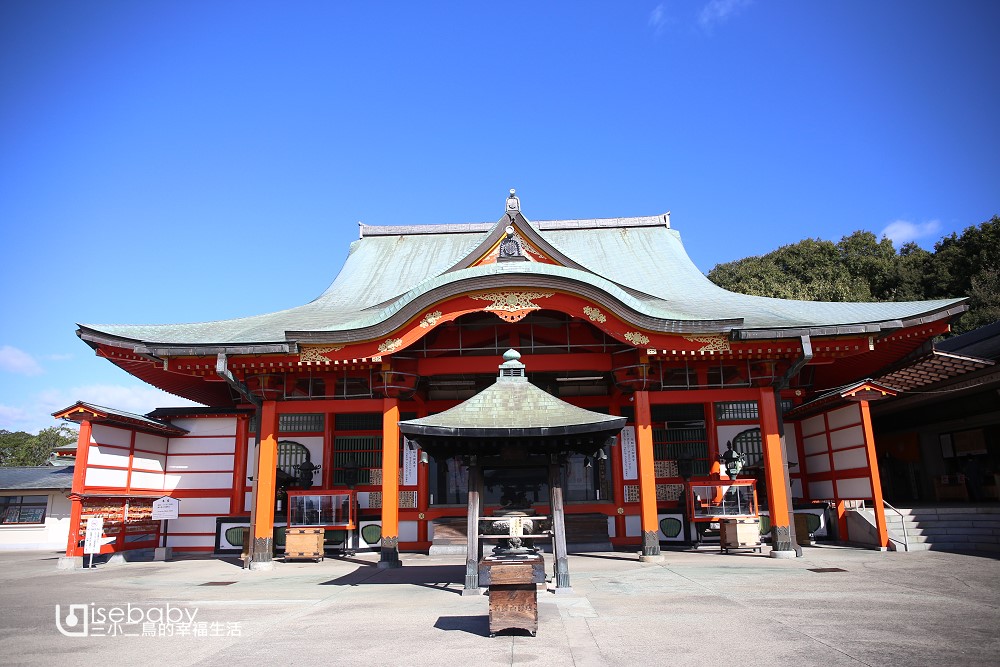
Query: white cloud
point(135, 399)
point(718, 11)
point(904, 231)
point(11, 416)
point(658, 18)
point(36, 414)
point(18, 361)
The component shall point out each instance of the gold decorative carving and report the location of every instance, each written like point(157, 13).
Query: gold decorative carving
point(712, 342)
point(430, 319)
point(526, 247)
point(511, 306)
point(390, 345)
point(595, 314)
point(636, 338)
point(316, 354)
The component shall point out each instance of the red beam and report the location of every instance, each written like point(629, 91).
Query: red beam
point(534, 363)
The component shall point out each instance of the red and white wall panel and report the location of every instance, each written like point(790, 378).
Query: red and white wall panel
point(836, 456)
point(199, 472)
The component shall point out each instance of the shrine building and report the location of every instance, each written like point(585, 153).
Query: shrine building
point(302, 406)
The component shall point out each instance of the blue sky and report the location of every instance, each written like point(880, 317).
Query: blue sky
point(170, 161)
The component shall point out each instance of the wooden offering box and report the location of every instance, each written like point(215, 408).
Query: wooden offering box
point(513, 592)
point(304, 543)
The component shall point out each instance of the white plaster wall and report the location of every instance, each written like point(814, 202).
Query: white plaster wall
point(207, 426)
point(845, 416)
point(109, 435)
point(147, 480)
point(196, 463)
point(818, 463)
point(850, 458)
point(813, 425)
point(103, 455)
point(153, 443)
point(102, 477)
point(847, 437)
point(821, 490)
point(52, 534)
point(198, 480)
point(213, 506)
point(859, 487)
point(180, 446)
point(814, 444)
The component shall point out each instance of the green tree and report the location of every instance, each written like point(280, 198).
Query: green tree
point(862, 267)
point(18, 448)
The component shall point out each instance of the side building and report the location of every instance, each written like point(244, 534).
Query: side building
point(609, 315)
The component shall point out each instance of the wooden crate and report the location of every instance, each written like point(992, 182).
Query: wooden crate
point(513, 591)
point(739, 534)
point(304, 543)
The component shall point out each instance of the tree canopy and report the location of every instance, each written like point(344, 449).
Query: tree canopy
point(18, 448)
point(862, 267)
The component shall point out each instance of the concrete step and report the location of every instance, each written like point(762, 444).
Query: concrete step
point(946, 528)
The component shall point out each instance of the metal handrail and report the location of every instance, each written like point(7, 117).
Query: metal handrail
point(902, 523)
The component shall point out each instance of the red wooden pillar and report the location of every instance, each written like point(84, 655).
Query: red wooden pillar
point(390, 484)
point(79, 481)
point(647, 478)
point(876, 479)
point(617, 476)
point(237, 502)
point(776, 471)
point(265, 483)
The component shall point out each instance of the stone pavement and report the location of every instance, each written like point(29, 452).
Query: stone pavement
point(835, 606)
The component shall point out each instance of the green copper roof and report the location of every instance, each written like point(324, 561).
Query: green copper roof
point(637, 267)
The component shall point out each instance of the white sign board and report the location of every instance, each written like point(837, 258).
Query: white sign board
point(630, 469)
point(411, 453)
point(165, 508)
point(92, 542)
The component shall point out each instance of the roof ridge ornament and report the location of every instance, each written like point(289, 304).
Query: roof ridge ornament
point(510, 247)
point(511, 370)
point(513, 203)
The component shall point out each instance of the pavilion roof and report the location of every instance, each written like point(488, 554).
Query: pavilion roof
point(636, 267)
point(513, 409)
point(98, 414)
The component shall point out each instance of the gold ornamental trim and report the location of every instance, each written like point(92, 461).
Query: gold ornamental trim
point(712, 342)
point(511, 306)
point(317, 354)
point(430, 319)
point(595, 314)
point(390, 345)
point(636, 338)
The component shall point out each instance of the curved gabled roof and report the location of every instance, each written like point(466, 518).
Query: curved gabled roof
point(636, 267)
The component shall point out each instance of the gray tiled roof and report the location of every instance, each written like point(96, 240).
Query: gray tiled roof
point(36, 478)
point(639, 263)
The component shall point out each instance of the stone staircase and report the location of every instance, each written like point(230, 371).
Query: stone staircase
point(945, 528)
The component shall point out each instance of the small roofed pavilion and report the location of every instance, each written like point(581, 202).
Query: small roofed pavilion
point(513, 424)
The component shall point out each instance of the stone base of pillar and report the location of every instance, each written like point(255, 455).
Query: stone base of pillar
point(163, 553)
point(782, 554)
point(650, 544)
point(467, 592)
point(562, 574)
point(651, 558)
point(261, 566)
point(781, 539)
point(389, 558)
point(261, 554)
point(70, 563)
point(116, 559)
